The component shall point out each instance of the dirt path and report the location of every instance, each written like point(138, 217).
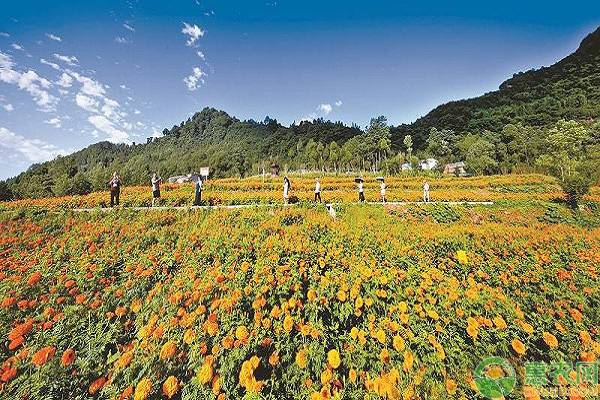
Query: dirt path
point(239, 206)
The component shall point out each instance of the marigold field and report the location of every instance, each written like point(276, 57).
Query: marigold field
point(394, 302)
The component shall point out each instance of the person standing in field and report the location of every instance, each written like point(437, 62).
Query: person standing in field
point(156, 180)
point(198, 192)
point(382, 188)
point(318, 190)
point(115, 189)
point(425, 191)
point(361, 191)
point(286, 189)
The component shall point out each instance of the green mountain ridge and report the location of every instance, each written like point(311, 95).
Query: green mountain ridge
point(569, 90)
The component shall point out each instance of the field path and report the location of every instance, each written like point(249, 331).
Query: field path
point(238, 206)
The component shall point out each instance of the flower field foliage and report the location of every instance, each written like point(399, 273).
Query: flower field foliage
point(288, 303)
point(339, 189)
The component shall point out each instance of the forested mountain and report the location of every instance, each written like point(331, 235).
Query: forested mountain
point(569, 89)
point(501, 131)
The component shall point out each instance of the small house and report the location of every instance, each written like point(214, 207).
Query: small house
point(457, 169)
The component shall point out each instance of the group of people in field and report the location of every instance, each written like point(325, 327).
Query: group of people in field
point(287, 185)
point(115, 189)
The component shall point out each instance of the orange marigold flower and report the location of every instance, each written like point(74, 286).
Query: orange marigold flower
point(67, 357)
point(170, 386)
point(451, 386)
point(34, 278)
point(43, 355)
point(97, 385)
point(168, 350)
point(550, 340)
point(518, 346)
point(302, 358)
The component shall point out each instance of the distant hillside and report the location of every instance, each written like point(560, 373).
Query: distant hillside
point(569, 89)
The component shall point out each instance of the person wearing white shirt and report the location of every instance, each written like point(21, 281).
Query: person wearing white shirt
point(155, 188)
point(382, 186)
point(318, 190)
point(198, 192)
point(286, 190)
point(361, 191)
point(425, 191)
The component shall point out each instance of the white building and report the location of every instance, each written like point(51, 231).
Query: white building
point(428, 164)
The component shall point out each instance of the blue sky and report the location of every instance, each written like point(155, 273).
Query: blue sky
point(74, 73)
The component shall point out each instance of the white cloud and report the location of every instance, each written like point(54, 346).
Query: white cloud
point(4, 34)
point(87, 103)
point(65, 80)
point(121, 39)
point(28, 81)
point(8, 107)
point(17, 47)
point(201, 55)
point(53, 37)
point(104, 125)
point(195, 80)
point(33, 149)
point(325, 108)
point(136, 112)
point(128, 27)
point(69, 60)
point(89, 87)
point(55, 122)
point(194, 32)
point(338, 103)
point(50, 63)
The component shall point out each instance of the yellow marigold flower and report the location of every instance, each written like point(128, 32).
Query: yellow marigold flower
point(170, 387)
point(302, 358)
point(380, 336)
point(518, 346)
point(433, 314)
point(528, 328)
point(461, 256)
point(205, 373)
point(168, 350)
point(124, 360)
point(354, 333)
point(408, 361)
point(274, 359)
point(531, 393)
point(495, 372)
point(189, 336)
point(333, 358)
point(472, 331)
point(288, 323)
point(384, 355)
point(398, 343)
point(241, 332)
point(136, 305)
point(312, 295)
point(326, 376)
point(550, 340)
point(341, 295)
point(500, 323)
point(358, 303)
point(143, 389)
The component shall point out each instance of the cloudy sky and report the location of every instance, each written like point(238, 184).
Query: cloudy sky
point(74, 73)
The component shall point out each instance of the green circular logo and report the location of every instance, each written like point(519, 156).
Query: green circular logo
point(495, 377)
